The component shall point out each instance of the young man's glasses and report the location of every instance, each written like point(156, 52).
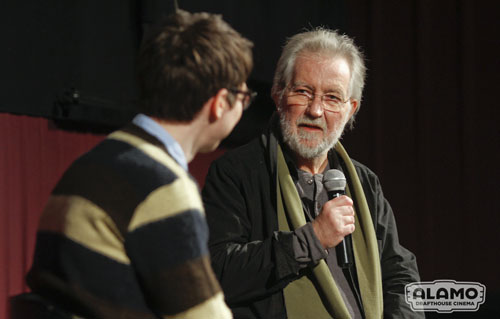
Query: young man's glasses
point(248, 98)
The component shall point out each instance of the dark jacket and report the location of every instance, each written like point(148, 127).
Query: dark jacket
point(254, 261)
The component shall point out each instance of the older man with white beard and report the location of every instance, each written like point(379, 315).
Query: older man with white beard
point(277, 240)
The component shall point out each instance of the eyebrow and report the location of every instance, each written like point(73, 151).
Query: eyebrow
point(336, 90)
point(294, 85)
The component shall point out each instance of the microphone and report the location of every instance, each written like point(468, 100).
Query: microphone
point(334, 182)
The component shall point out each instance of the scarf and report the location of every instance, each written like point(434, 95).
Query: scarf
point(315, 295)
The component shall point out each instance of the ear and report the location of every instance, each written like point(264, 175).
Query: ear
point(354, 107)
point(218, 104)
point(277, 100)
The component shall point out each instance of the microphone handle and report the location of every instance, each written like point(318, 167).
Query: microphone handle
point(344, 252)
point(345, 255)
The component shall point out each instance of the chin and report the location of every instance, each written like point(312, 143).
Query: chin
point(209, 148)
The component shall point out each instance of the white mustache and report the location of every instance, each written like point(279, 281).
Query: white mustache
point(305, 121)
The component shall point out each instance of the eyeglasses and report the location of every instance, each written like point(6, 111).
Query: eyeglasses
point(248, 98)
point(304, 96)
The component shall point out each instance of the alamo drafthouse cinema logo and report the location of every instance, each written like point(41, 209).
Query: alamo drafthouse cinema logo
point(445, 296)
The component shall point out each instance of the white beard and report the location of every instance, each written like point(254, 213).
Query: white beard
point(305, 144)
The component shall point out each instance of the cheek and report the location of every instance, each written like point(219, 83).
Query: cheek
point(292, 116)
point(334, 121)
point(236, 117)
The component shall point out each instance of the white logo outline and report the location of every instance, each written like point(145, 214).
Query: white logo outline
point(445, 304)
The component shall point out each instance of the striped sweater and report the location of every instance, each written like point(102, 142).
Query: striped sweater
point(124, 235)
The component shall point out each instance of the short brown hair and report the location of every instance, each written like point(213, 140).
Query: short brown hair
point(186, 60)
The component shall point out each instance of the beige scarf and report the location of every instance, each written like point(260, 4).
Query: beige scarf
point(316, 296)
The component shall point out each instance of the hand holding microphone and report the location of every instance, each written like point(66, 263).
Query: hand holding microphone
point(335, 223)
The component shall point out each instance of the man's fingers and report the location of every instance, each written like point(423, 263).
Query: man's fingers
point(349, 229)
point(342, 200)
point(349, 220)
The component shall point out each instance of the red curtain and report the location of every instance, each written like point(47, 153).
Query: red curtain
point(33, 155)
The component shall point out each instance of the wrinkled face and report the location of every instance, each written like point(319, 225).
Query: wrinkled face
point(308, 128)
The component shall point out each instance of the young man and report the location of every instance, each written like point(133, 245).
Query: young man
point(123, 234)
point(273, 230)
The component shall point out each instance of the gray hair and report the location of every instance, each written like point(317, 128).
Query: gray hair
point(321, 40)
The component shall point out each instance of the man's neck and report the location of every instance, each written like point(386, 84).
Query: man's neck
point(184, 135)
point(314, 166)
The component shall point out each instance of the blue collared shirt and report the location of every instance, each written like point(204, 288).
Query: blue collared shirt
point(156, 130)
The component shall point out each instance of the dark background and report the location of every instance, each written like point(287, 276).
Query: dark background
point(428, 125)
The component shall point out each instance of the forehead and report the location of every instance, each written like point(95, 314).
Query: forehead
point(321, 71)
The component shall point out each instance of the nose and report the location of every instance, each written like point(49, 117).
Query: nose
point(315, 107)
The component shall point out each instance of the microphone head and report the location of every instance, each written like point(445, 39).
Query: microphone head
point(334, 180)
